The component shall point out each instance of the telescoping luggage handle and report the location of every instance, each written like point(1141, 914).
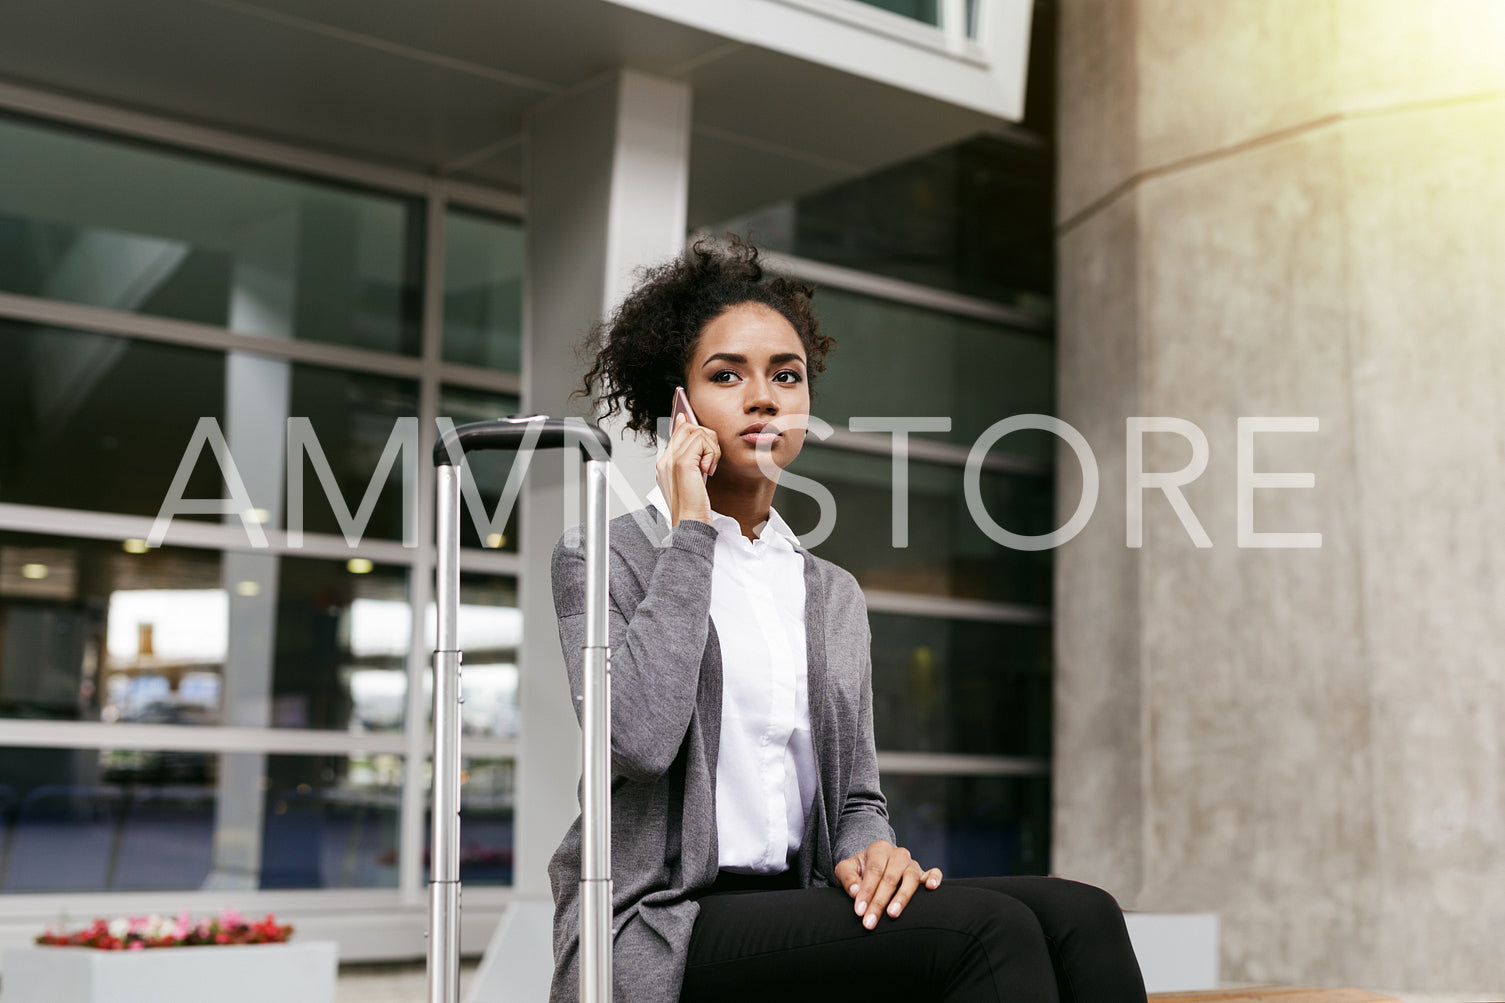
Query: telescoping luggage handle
point(535, 432)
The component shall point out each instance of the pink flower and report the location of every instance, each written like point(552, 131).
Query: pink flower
point(136, 945)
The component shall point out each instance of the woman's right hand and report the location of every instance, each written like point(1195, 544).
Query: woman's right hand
point(681, 472)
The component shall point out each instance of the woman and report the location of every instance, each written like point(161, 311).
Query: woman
point(752, 853)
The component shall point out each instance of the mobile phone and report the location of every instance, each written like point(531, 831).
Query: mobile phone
point(682, 406)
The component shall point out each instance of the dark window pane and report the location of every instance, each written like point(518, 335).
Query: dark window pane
point(973, 218)
point(483, 291)
point(354, 416)
point(961, 686)
point(328, 821)
point(87, 820)
point(487, 803)
point(95, 421)
point(124, 226)
point(947, 553)
point(84, 421)
point(897, 360)
point(972, 826)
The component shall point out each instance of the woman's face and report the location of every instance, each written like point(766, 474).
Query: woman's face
point(746, 370)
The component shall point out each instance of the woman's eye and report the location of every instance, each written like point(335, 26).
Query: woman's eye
point(794, 377)
point(718, 378)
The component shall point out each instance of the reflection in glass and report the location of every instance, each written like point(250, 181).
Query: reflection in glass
point(85, 820)
point(354, 416)
point(972, 826)
point(973, 372)
point(961, 686)
point(488, 470)
point(89, 631)
point(342, 646)
point(483, 291)
point(487, 803)
point(98, 400)
point(972, 218)
point(491, 632)
point(164, 650)
point(948, 554)
point(114, 224)
point(88, 820)
point(179, 636)
point(330, 821)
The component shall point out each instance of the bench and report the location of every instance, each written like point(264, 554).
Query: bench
point(1273, 994)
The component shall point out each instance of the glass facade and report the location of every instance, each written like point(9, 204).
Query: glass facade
point(282, 689)
point(209, 714)
point(121, 226)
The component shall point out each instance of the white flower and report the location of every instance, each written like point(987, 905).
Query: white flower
point(119, 928)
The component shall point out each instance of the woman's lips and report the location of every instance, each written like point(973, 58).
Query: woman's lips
point(760, 438)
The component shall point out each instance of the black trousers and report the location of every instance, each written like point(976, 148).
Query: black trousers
point(972, 940)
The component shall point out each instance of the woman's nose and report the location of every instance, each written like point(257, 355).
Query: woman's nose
point(760, 398)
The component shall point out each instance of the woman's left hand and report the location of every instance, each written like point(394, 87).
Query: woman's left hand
point(883, 878)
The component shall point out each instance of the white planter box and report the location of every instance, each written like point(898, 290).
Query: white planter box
point(297, 972)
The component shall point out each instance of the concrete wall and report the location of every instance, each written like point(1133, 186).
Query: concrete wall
point(1290, 207)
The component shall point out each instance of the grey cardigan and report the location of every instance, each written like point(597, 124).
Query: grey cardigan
point(666, 726)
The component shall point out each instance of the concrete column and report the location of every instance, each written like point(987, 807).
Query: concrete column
point(607, 193)
point(1290, 209)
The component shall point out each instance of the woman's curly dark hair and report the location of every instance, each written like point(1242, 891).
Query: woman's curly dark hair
point(642, 350)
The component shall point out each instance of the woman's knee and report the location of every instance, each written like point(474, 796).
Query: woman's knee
point(993, 947)
point(1063, 906)
point(1089, 906)
point(974, 911)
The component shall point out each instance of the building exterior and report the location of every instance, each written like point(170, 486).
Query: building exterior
point(306, 234)
point(328, 226)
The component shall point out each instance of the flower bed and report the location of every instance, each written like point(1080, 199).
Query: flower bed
point(140, 932)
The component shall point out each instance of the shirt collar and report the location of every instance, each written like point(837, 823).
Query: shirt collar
point(775, 530)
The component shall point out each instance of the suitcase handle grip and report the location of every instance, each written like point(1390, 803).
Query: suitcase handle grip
point(513, 431)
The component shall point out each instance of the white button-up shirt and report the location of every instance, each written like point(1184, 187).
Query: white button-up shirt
point(765, 766)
